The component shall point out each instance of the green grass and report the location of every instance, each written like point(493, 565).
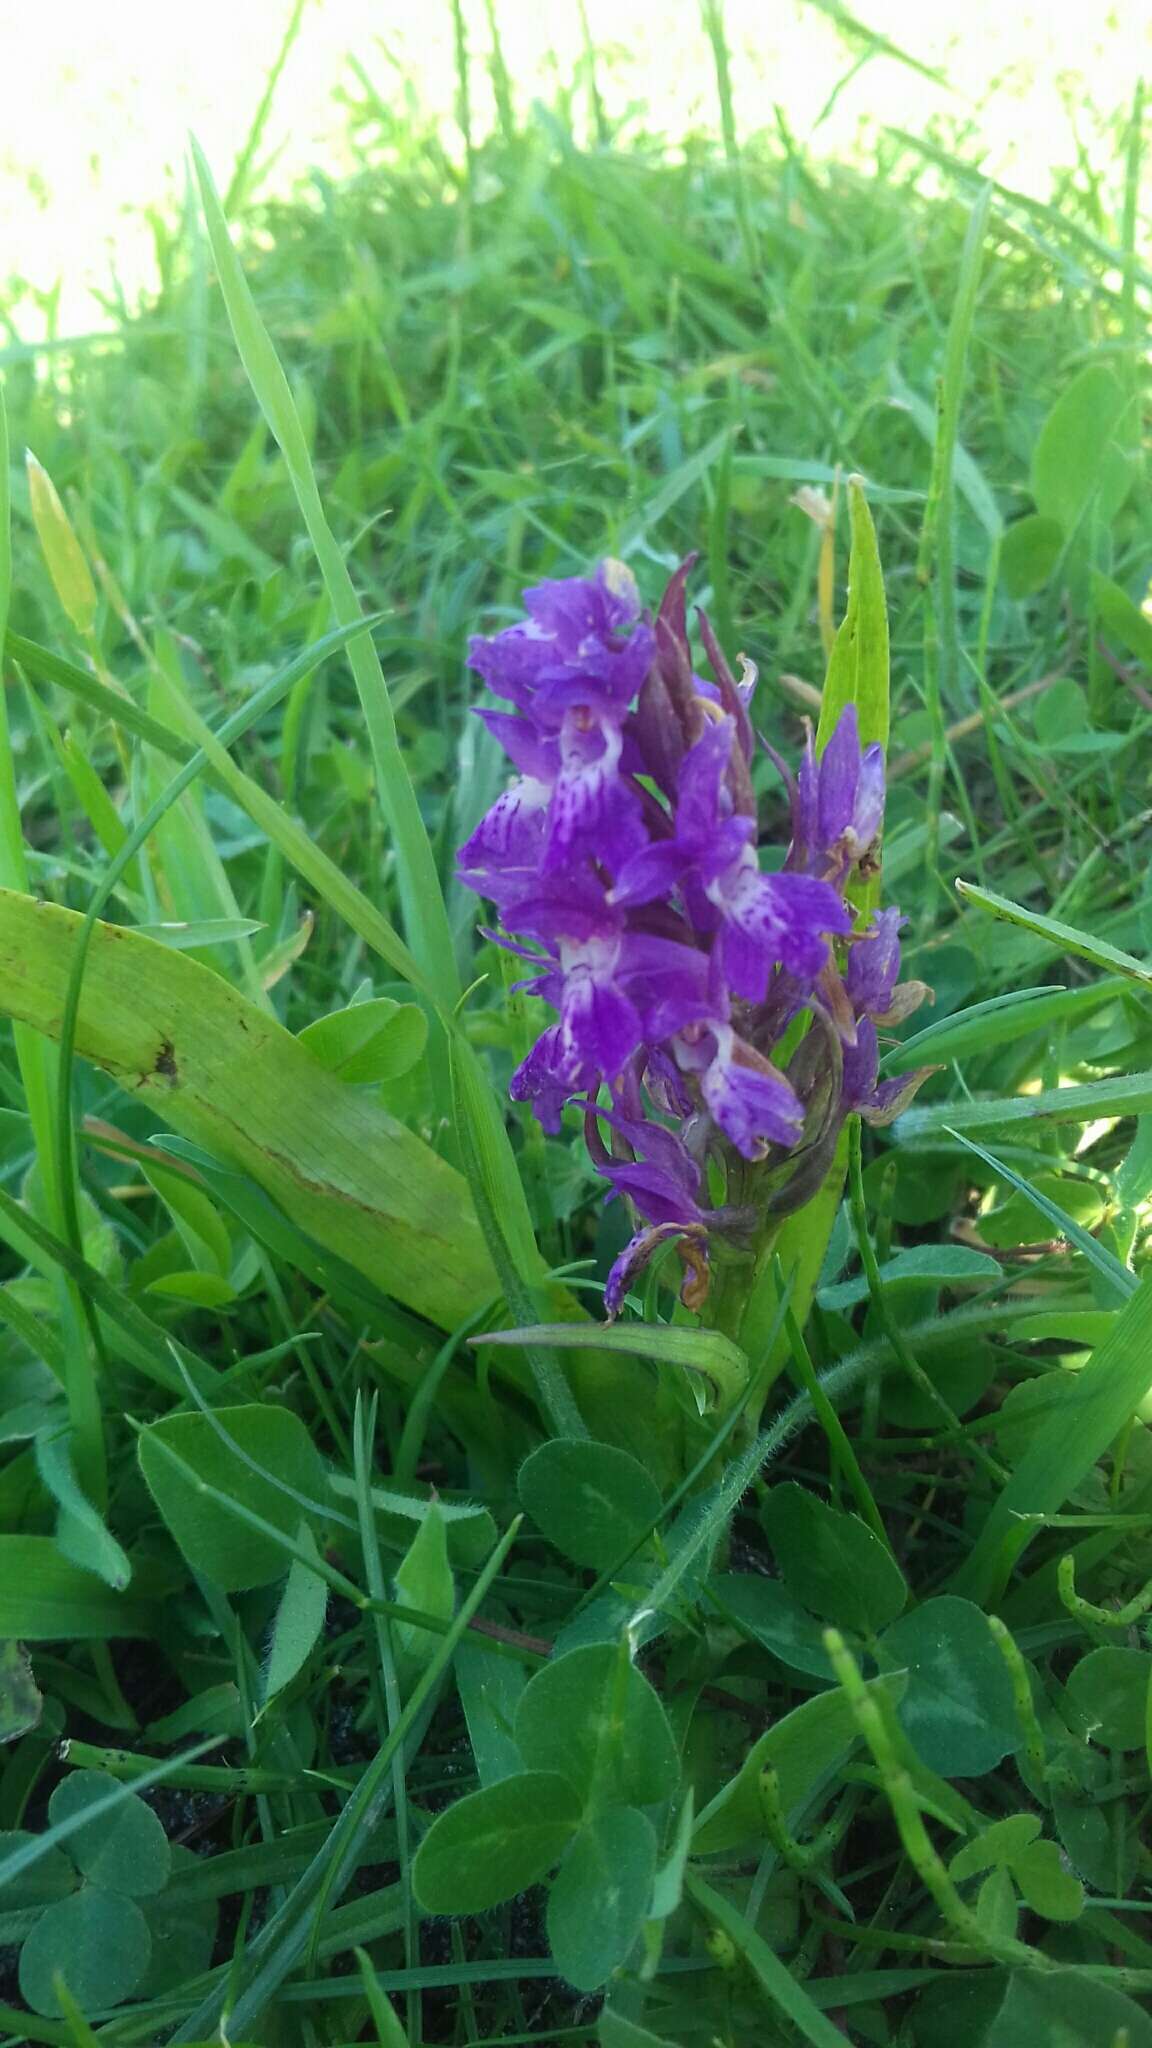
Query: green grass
point(258, 1488)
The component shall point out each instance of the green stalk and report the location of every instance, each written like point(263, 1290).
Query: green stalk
point(34, 1061)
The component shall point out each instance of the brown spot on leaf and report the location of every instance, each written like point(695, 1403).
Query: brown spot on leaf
point(166, 1061)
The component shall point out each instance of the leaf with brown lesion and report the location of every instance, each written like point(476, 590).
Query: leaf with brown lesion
point(230, 1077)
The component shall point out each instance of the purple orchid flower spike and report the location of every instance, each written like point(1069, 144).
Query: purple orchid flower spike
point(762, 921)
point(673, 961)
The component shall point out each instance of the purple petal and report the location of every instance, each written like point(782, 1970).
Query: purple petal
point(663, 1081)
point(570, 904)
point(806, 807)
point(513, 662)
point(860, 1065)
point(606, 677)
point(774, 919)
point(734, 696)
point(504, 853)
point(672, 651)
point(655, 1194)
point(873, 965)
point(657, 733)
point(592, 809)
point(544, 1079)
point(651, 873)
point(750, 1100)
point(665, 1168)
point(892, 1098)
point(637, 1253)
point(669, 983)
point(534, 753)
point(702, 793)
point(600, 1029)
point(839, 779)
point(577, 609)
point(569, 650)
point(869, 813)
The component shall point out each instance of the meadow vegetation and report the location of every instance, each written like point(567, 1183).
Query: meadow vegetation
point(661, 1682)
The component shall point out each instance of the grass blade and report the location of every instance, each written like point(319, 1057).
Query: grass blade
point(1066, 937)
point(425, 916)
point(1125, 1095)
point(49, 1124)
point(1099, 1403)
point(937, 535)
point(279, 1944)
point(998, 1021)
point(780, 1986)
point(1117, 1279)
point(704, 1351)
point(311, 863)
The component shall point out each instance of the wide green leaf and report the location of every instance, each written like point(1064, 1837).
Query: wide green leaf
point(228, 1076)
point(45, 1599)
point(593, 1717)
point(299, 1622)
point(183, 1931)
point(1098, 1402)
point(1109, 1690)
point(593, 1501)
point(919, 1266)
point(957, 1710)
point(600, 1899)
point(53, 1876)
point(265, 1460)
point(21, 1702)
point(1067, 2009)
point(1123, 619)
point(707, 1352)
point(1080, 453)
point(832, 1562)
point(424, 1580)
point(99, 1943)
point(378, 1040)
point(495, 1843)
point(490, 1687)
point(80, 1532)
point(617, 2032)
point(996, 1847)
point(123, 1851)
point(1029, 553)
point(805, 1748)
point(1046, 1885)
point(777, 1619)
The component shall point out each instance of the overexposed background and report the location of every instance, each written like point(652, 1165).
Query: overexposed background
point(100, 98)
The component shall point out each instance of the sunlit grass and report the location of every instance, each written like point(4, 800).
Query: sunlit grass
point(102, 135)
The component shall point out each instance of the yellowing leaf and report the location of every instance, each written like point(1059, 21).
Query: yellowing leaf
point(67, 565)
point(229, 1077)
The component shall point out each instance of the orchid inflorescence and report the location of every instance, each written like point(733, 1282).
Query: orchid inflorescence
point(729, 1013)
